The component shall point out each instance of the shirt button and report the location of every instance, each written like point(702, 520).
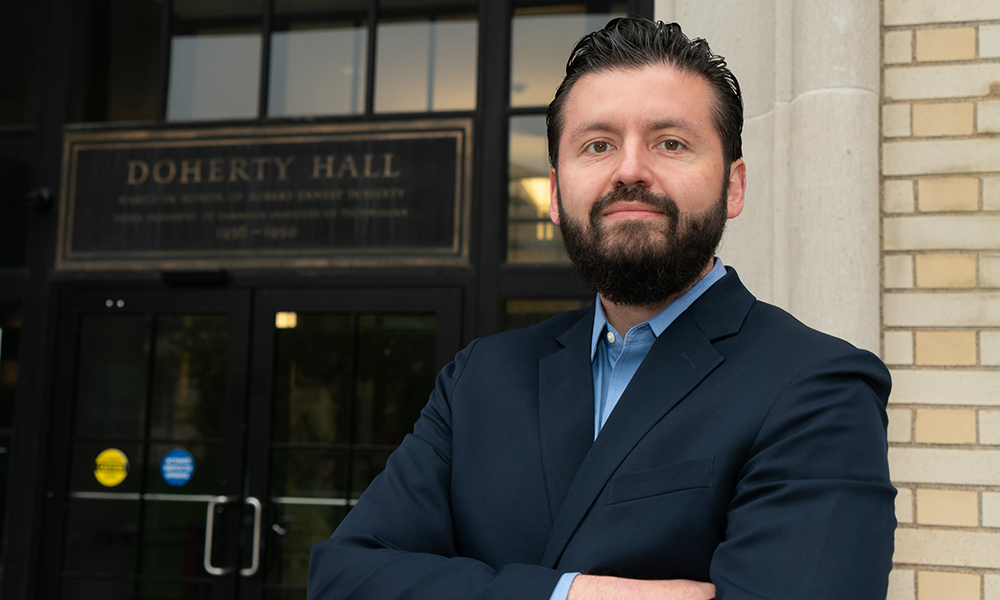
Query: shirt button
point(611, 338)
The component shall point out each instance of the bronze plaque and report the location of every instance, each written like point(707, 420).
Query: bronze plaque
point(291, 196)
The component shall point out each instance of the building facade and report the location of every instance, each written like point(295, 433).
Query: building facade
point(238, 238)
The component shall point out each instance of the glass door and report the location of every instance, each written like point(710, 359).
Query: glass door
point(338, 379)
point(203, 446)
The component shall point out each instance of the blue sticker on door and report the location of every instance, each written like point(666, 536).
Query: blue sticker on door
point(177, 467)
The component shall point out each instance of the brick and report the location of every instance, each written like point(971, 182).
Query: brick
point(989, 270)
point(908, 12)
point(904, 505)
point(987, 117)
point(991, 587)
point(989, 427)
point(902, 585)
point(898, 271)
point(898, 348)
point(991, 509)
point(945, 426)
point(941, 232)
point(954, 43)
point(896, 120)
point(945, 348)
point(989, 348)
point(957, 508)
point(946, 271)
point(898, 196)
point(898, 47)
point(940, 82)
point(952, 548)
point(942, 309)
point(938, 585)
point(944, 387)
point(991, 193)
point(941, 157)
point(989, 41)
point(900, 425)
point(950, 118)
point(939, 194)
point(949, 466)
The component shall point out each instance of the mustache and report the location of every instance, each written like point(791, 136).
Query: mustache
point(635, 193)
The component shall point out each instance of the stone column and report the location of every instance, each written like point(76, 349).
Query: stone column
point(808, 239)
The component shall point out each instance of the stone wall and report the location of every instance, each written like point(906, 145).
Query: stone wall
point(941, 293)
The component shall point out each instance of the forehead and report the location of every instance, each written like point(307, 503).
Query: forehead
point(642, 96)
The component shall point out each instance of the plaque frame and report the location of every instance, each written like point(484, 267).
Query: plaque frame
point(456, 254)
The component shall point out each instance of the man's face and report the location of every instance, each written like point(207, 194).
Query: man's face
point(641, 191)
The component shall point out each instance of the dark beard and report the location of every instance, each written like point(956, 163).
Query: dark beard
point(641, 262)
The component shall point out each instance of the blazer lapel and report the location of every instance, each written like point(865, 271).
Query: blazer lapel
point(677, 362)
point(566, 409)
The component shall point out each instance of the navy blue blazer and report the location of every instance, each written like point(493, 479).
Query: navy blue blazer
point(748, 450)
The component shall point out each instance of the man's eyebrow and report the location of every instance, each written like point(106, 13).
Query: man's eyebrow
point(603, 127)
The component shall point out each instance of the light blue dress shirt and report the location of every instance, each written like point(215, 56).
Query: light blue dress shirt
point(615, 360)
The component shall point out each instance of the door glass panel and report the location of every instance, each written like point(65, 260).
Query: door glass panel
point(19, 44)
point(215, 61)
point(348, 388)
point(96, 589)
point(426, 57)
point(113, 376)
point(319, 55)
point(145, 457)
point(541, 40)
point(16, 158)
point(189, 380)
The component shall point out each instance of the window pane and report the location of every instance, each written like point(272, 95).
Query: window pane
point(19, 62)
point(318, 58)
point(15, 179)
point(214, 60)
point(524, 313)
point(116, 60)
point(541, 40)
point(426, 57)
point(531, 235)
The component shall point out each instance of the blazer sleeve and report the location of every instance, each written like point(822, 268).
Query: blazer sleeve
point(813, 511)
point(398, 541)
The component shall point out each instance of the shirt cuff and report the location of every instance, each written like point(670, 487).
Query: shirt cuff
point(562, 587)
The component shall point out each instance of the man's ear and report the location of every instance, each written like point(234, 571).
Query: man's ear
point(553, 197)
point(737, 188)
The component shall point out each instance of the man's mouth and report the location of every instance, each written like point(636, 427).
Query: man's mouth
point(631, 210)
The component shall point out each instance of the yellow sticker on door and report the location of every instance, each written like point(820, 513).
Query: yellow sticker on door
point(111, 467)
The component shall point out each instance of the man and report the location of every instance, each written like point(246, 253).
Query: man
point(719, 448)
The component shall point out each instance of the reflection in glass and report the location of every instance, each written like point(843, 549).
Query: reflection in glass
point(524, 313)
point(113, 376)
point(313, 375)
point(16, 159)
point(541, 40)
point(214, 60)
point(96, 589)
point(189, 376)
point(426, 63)
point(531, 235)
point(297, 529)
point(318, 58)
point(19, 44)
point(101, 536)
point(309, 473)
point(173, 538)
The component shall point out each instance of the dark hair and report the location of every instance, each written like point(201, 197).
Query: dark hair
point(632, 43)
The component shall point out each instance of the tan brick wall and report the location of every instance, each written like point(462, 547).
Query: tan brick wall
point(941, 293)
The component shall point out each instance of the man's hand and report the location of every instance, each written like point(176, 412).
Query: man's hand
point(593, 587)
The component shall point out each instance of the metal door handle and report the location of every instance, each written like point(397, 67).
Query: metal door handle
point(209, 523)
point(255, 560)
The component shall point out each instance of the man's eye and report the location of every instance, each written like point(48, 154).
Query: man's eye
point(672, 145)
point(598, 147)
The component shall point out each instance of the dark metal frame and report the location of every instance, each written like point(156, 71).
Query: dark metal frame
point(483, 287)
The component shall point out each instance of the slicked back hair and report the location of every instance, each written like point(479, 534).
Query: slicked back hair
point(634, 43)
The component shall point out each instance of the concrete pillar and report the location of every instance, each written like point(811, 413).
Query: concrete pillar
point(808, 239)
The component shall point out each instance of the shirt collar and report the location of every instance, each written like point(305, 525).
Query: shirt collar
point(659, 322)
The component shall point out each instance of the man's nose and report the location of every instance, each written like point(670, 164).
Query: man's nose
point(635, 166)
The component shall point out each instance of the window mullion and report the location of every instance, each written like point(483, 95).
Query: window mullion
point(265, 56)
